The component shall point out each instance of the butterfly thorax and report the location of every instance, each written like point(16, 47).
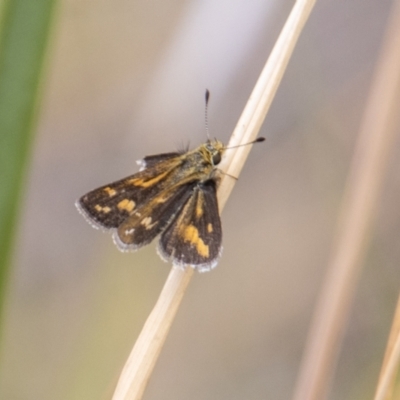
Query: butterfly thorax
point(201, 162)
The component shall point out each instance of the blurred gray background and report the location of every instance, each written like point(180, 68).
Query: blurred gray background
point(126, 78)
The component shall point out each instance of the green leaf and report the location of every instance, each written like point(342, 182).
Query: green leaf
point(24, 35)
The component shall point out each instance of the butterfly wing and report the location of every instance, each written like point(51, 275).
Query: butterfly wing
point(144, 224)
point(108, 206)
point(194, 235)
point(151, 161)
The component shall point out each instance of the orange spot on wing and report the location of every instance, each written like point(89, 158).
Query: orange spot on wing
point(99, 208)
point(126, 205)
point(111, 192)
point(191, 235)
point(143, 182)
point(200, 206)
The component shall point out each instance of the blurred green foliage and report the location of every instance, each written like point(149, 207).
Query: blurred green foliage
point(24, 32)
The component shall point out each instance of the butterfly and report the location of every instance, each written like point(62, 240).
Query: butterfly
point(174, 196)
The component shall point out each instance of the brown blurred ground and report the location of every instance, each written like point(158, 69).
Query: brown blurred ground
point(126, 79)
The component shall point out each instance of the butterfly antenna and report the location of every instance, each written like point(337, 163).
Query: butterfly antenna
point(207, 98)
point(258, 140)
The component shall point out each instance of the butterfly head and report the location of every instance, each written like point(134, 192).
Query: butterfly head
point(214, 150)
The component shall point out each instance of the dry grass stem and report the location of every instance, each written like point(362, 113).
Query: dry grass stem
point(263, 93)
point(359, 203)
point(143, 357)
point(391, 360)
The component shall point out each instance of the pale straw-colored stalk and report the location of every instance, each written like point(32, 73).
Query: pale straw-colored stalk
point(390, 364)
point(359, 204)
point(141, 361)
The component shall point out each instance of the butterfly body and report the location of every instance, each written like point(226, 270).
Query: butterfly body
point(172, 196)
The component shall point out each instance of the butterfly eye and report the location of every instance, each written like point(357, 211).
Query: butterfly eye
point(216, 158)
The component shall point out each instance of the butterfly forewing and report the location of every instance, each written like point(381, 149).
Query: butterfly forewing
point(151, 161)
point(108, 206)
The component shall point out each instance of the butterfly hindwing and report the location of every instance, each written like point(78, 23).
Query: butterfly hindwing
point(194, 235)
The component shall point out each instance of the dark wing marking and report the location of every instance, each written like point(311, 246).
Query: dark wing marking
point(108, 206)
point(194, 236)
point(148, 221)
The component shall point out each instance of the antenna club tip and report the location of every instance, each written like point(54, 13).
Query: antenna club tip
point(207, 95)
point(260, 139)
